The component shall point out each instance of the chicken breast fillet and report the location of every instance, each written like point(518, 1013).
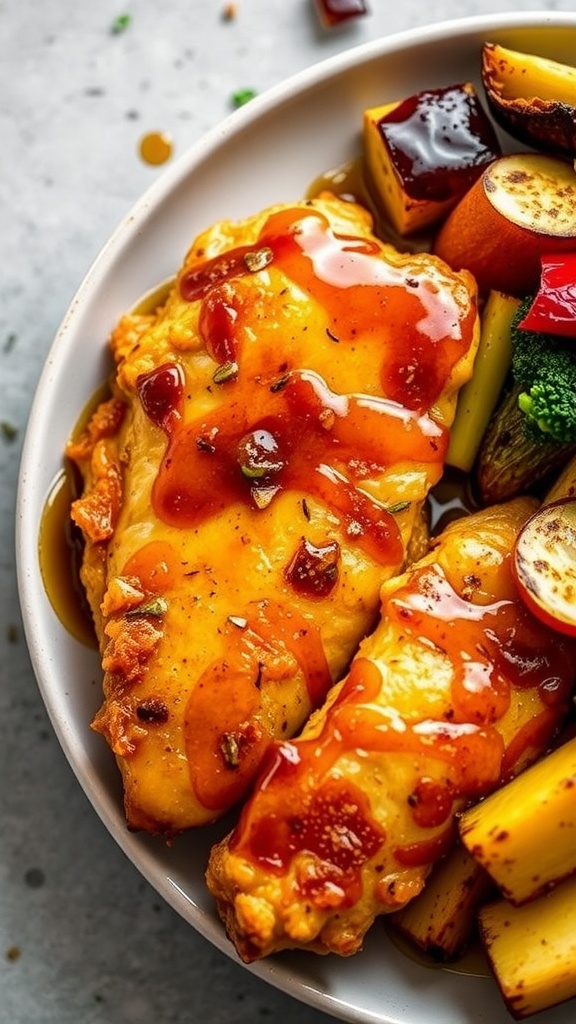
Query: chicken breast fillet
point(273, 431)
point(457, 688)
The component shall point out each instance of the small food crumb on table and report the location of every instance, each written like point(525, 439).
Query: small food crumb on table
point(334, 12)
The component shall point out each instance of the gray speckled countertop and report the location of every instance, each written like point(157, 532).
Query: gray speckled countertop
point(83, 938)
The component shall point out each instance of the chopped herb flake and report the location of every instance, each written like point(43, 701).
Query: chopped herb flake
point(252, 471)
point(158, 606)
point(120, 24)
point(226, 371)
point(242, 96)
point(399, 506)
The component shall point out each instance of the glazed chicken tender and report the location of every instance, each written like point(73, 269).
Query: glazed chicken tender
point(457, 688)
point(259, 469)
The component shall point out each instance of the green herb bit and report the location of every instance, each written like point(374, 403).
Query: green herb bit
point(253, 472)
point(158, 606)
point(399, 506)
point(120, 24)
point(225, 372)
point(242, 96)
point(259, 259)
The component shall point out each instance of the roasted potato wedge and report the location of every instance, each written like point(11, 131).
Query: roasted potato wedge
point(533, 98)
point(526, 861)
point(442, 919)
point(532, 949)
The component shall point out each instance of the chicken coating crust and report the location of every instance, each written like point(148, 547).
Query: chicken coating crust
point(274, 428)
point(456, 690)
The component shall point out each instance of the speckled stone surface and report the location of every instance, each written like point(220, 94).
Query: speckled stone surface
point(83, 939)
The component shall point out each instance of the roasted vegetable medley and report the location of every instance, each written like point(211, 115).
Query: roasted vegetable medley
point(509, 218)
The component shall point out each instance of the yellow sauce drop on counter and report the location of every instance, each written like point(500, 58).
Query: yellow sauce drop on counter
point(155, 148)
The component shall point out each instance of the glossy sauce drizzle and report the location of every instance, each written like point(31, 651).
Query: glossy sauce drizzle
point(493, 648)
point(439, 140)
point(323, 444)
point(415, 312)
point(226, 738)
point(304, 435)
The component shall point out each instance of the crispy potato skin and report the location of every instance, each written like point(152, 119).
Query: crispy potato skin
point(438, 708)
point(218, 631)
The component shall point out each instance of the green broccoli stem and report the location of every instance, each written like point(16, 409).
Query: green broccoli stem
point(509, 462)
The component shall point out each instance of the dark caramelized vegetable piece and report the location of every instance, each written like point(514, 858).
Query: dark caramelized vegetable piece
point(425, 152)
point(533, 98)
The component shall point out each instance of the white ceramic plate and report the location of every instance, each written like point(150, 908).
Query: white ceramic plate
point(269, 151)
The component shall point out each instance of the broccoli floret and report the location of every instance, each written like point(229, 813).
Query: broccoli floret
point(544, 368)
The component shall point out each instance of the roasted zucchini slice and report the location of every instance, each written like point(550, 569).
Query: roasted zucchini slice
point(533, 98)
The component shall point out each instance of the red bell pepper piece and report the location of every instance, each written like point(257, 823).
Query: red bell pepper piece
point(554, 308)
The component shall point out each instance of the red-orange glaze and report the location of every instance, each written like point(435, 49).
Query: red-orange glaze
point(154, 567)
point(221, 731)
point(337, 827)
point(161, 394)
point(324, 443)
point(222, 727)
point(493, 648)
point(356, 291)
point(202, 474)
point(427, 851)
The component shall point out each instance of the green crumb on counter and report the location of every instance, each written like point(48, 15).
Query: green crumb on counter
point(120, 24)
point(12, 633)
point(242, 96)
point(8, 430)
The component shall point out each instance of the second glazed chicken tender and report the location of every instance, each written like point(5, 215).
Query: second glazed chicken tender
point(458, 688)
